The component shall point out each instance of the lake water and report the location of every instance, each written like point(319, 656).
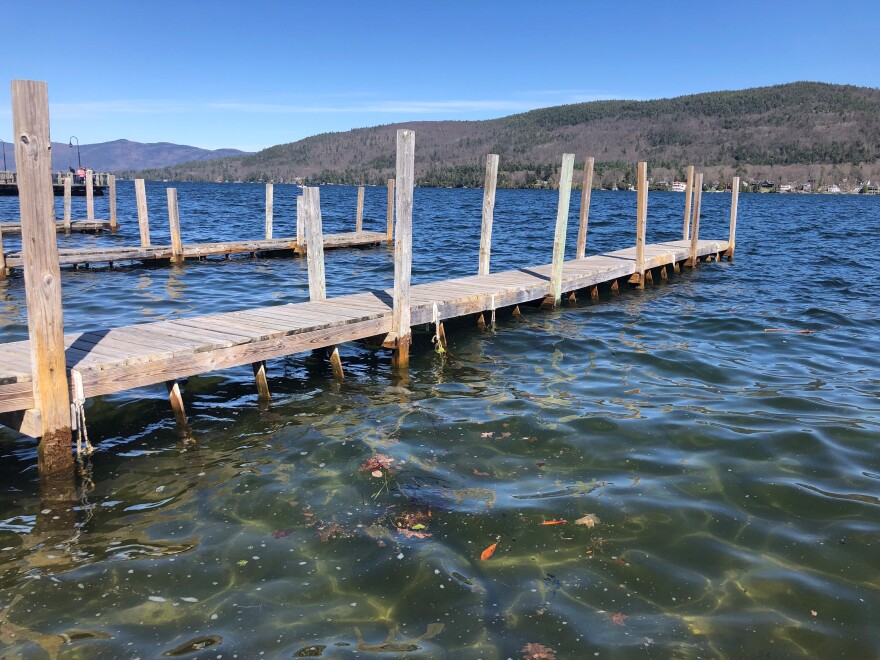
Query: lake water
point(727, 479)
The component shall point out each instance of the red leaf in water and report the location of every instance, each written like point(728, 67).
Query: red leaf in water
point(619, 619)
point(488, 552)
point(535, 651)
point(477, 473)
point(282, 533)
point(554, 522)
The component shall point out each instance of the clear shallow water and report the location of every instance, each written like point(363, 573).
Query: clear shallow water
point(734, 473)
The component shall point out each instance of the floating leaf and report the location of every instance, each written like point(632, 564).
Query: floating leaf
point(486, 434)
point(554, 522)
point(377, 473)
point(242, 562)
point(534, 651)
point(590, 520)
point(488, 552)
point(619, 619)
point(477, 473)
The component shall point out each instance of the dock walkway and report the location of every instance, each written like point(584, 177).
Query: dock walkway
point(150, 353)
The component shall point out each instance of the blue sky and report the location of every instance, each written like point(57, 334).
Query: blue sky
point(253, 74)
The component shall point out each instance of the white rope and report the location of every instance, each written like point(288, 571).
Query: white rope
point(438, 342)
point(79, 416)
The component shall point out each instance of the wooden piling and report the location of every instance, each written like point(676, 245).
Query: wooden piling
point(68, 183)
point(90, 196)
point(175, 398)
point(300, 220)
point(3, 271)
point(641, 222)
point(174, 226)
point(695, 231)
point(584, 218)
point(561, 228)
point(111, 188)
point(270, 193)
point(359, 214)
point(401, 316)
point(42, 274)
point(140, 192)
point(488, 212)
point(314, 243)
point(390, 211)
point(734, 204)
point(688, 195)
point(262, 382)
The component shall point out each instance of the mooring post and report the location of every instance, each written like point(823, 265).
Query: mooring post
point(390, 211)
point(400, 323)
point(359, 215)
point(270, 193)
point(111, 186)
point(695, 231)
point(299, 220)
point(555, 297)
point(261, 380)
point(90, 196)
point(42, 274)
point(584, 218)
point(734, 204)
point(688, 194)
point(641, 222)
point(3, 271)
point(315, 260)
point(140, 192)
point(488, 212)
point(68, 183)
point(175, 398)
point(174, 226)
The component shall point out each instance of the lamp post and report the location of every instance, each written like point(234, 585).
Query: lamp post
point(70, 144)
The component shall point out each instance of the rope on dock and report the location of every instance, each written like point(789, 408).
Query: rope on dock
point(437, 340)
point(492, 305)
point(79, 416)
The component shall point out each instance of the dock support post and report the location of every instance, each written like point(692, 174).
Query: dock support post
point(734, 204)
point(688, 195)
point(561, 228)
point(315, 260)
point(585, 207)
point(42, 274)
point(111, 186)
point(390, 212)
point(68, 182)
point(262, 382)
point(176, 400)
point(2, 257)
point(270, 191)
point(488, 212)
point(90, 196)
point(140, 192)
point(695, 232)
point(359, 214)
point(401, 317)
point(300, 217)
point(641, 222)
point(174, 226)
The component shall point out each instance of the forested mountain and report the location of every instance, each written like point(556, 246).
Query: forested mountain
point(783, 129)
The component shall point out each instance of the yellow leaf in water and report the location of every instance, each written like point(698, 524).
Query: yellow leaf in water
point(590, 520)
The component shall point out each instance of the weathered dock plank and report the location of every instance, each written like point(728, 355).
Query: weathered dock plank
point(85, 226)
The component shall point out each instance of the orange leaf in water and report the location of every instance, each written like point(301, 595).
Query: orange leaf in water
point(554, 522)
point(488, 552)
point(619, 619)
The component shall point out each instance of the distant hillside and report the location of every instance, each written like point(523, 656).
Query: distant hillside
point(120, 155)
point(782, 129)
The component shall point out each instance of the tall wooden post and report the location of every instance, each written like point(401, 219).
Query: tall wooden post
point(405, 178)
point(561, 229)
point(586, 193)
point(2, 257)
point(68, 182)
point(390, 211)
point(488, 212)
point(174, 226)
point(695, 232)
point(359, 215)
point(688, 194)
point(641, 221)
point(270, 193)
point(734, 205)
point(140, 193)
point(42, 275)
point(90, 196)
point(300, 220)
point(111, 186)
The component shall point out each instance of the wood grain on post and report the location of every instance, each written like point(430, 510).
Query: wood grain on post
point(42, 274)
point(695, 231)
point(140, 193)
point(488, 212)
point(405, 182)
point(68, 183)
point(561, 228)
point(390, 211)
point(584, 218)
point(300, 219)
point(90, 196)
point(359, 215)
point(174, 226)
point(641, 221)
point(111, 186)
point(175, 398)
point(270, 194)
point(734, 204)
point(688, 194)
point(261, 380)
point(314, 243)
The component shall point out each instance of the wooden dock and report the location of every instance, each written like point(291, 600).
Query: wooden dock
point(79, 226)
point(45, 380)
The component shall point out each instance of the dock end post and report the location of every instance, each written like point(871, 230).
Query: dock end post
point(584, 218)
point(561, 228)
point(489, 186)
point(405, 182)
